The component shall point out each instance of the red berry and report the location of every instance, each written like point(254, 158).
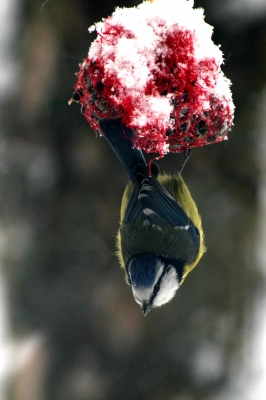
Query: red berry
point(161, 85)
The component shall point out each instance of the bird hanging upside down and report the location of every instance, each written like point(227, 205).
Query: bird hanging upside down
point(160, 239)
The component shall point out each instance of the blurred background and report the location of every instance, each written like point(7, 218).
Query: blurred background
point(69, 327)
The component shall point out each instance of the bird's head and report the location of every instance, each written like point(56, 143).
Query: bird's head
point(154, 279)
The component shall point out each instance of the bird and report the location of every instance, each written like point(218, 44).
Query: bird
point(160, 238)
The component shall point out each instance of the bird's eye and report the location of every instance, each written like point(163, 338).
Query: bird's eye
point(156, 288)
point(197, 231)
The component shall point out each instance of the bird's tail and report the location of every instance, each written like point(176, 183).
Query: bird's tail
point(120, 139)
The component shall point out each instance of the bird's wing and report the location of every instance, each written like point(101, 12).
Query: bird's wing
point(160, 207)
point(121, 139)
point(134, 209)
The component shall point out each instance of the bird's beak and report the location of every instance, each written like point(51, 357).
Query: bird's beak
point(145, 308)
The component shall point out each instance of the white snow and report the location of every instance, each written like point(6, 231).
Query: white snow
point(131, 56)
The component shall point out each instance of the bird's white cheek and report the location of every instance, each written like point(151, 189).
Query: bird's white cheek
point(168, 288)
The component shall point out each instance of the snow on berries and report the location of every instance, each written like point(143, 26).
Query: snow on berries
point(156, 68)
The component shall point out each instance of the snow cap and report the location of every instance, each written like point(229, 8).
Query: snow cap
point(156, 67)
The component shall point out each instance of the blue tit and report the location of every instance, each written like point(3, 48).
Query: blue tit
point(160, 239)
